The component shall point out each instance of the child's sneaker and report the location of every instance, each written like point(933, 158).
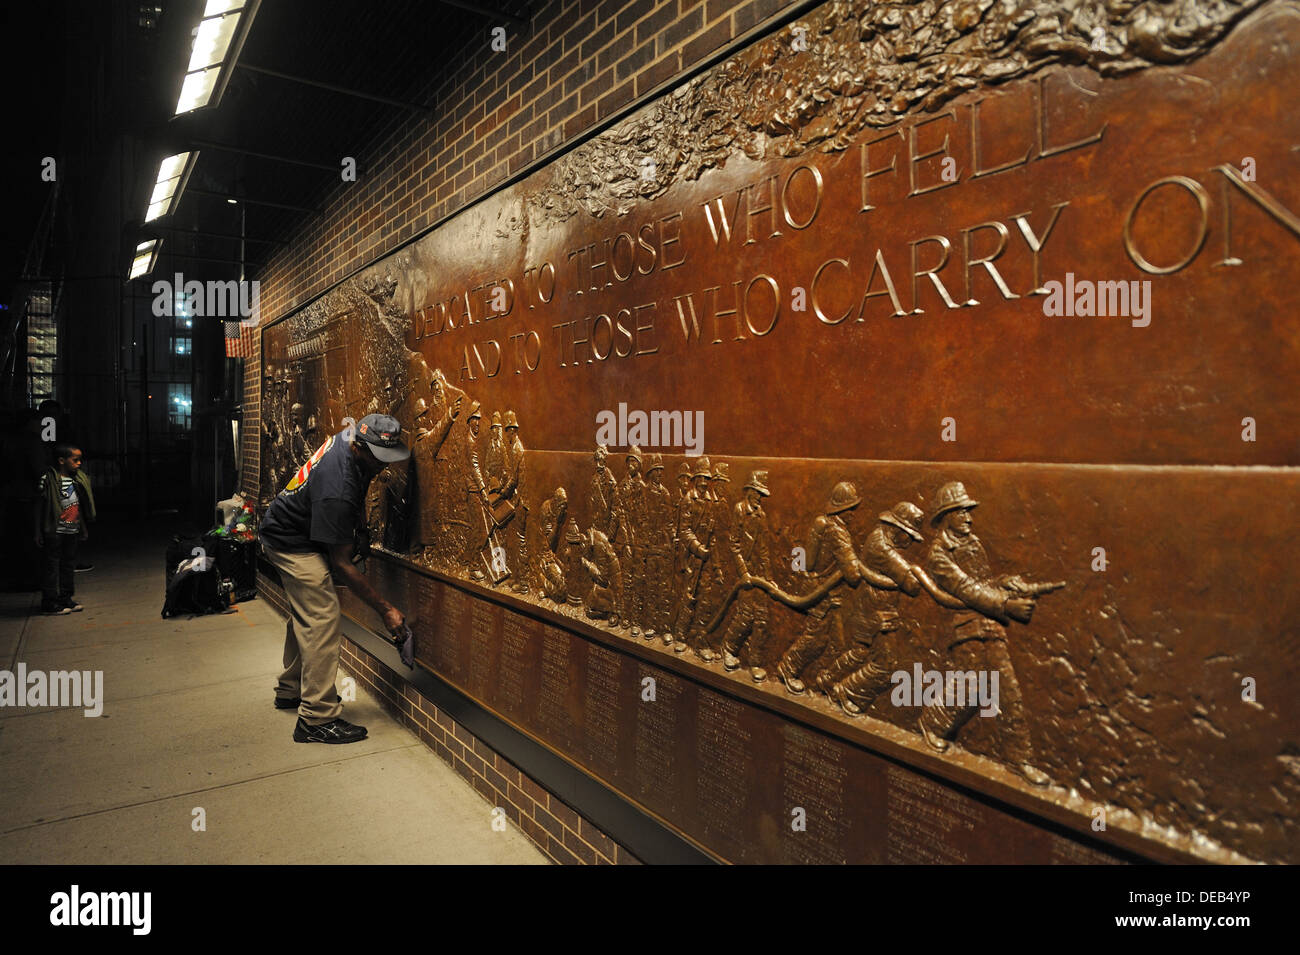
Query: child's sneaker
point(53, 608)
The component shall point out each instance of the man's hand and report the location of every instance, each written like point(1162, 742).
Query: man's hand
point(40, 539)
point(1020, 608)
point(455, 407)
point(393, 619)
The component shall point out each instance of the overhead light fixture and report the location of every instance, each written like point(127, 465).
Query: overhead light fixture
point(146, 255)
point(172, 174)
point(211, 57)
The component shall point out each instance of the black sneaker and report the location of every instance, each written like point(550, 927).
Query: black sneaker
point(71, 604)
point(82, 568)
point(54, 609)
point(335, 731)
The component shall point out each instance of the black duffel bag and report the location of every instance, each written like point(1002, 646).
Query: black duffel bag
point(194, 584)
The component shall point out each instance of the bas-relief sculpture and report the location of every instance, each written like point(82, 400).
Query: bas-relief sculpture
point(817, 576)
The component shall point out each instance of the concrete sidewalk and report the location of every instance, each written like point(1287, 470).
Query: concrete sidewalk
point(188, 724)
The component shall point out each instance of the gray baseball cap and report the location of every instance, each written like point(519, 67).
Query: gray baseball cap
point(382, 433)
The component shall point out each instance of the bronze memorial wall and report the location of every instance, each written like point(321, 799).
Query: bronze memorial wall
point(880, 448)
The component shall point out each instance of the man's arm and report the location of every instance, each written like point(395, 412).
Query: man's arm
point(846, 560)
point(892, 564)
point(735, 540)
point(976, 594)
point(514, 465)
point(340, 556)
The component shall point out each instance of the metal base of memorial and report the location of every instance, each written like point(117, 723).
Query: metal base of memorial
point(880, 448)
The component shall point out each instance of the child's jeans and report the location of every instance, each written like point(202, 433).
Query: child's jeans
point(59, 559)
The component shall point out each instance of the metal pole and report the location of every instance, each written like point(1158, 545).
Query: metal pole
point(144, 404)
point(335, 88)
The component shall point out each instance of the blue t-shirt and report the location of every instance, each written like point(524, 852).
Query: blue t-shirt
point(320, 506)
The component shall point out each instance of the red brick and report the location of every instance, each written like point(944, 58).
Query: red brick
point(565, 814)
point(546, 100)
point(534, 831)
point(597, 87)
point(616, 99)
point(534, 55)
point(598, 840)
point(573, 37)
point(660, 72)
point(520, 798)
point(521, 77)
point(532, 789)
point(562, 113)
point(629, 13)
point(563, 67)
point(717, 8)
point(497, 780)
point(508, 769)
point(707, 42)
point(580, 123)
point(597, 41)
point(475, 763)
point(581, 77)
point(463, 769)
point(556, 850)
point(754, 13)
point(579, 848)
point(653, 24)
point(633, 61)
point(522, 159)
point(548, 822)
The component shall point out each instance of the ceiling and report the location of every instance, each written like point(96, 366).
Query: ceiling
point(110, 73)
point(394, 50)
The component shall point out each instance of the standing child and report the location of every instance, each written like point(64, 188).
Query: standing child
point(63, 505)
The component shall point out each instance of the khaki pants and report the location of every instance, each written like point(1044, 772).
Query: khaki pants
point(311, 635)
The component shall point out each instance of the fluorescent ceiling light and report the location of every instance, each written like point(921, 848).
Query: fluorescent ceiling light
point(197, 89)
point(172, 166)
point(216, 7)
point(213, 42)
point(209, 53)
point(162, 191)
point(167, 187)
point(146, 254)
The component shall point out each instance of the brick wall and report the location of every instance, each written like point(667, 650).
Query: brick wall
point(553, 826)
point(573, 68)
